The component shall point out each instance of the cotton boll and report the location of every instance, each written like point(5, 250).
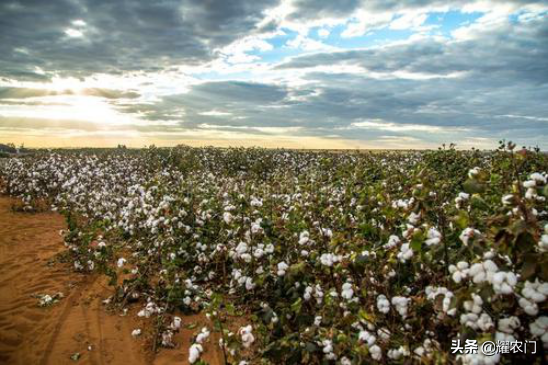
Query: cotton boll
point(393, 241)
point(401, 304)
point(459, 272)
point(383, 304)
point(121, 261)
point(508, 325)
point(485, 323)
point(282, 267)
point(136, 332)
point(539, 328)
point(367, 337)
point(176, 323)
point(375, 352)
point(433, 237)
point(406, 253)
point(504, 282)
point(202, 336)
point(467, 234)
point(536, 291)
point(247, 336)
point(528, 306)
point(195, 352)
point(347, 291)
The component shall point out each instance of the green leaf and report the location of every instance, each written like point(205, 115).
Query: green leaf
point(472, 186)
point(296, 306)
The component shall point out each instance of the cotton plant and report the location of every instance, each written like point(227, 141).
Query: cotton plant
point(363, 241)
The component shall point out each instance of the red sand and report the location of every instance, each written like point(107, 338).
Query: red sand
point(78, 323)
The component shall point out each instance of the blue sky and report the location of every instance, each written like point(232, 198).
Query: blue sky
point(274, 73)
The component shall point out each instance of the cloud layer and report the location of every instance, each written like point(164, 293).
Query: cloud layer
point(379, 74)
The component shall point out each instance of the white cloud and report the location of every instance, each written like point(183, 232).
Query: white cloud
point(408, 21)
point(74, 33)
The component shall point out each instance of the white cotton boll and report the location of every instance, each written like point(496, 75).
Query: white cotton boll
point(485, 323)
point(194, 353)
point(327, 232)
point(433, 237)
point(508, 325)
point(543, 243)
point(347, 291)
point(507, 199)
point(459, 272)
point(531, 194)
point(241, 248)
point(396, 354)
point(78, 266)
point(366, 336)
point(249, 284)
point(176, 323)
point(383, 334)
point(469, 320)
point(401, 303)
point(317, 320)
point(326, 259)
point(479, 359)
point(473, 172)
point(227, 217)
point(304, 253)
point(461, 198)
point(256, 202)
point(258, 253)
point(383, 304)
point(246, 336)
point(393, 241)
point(136, 332)
point(539, 328)
point(202, 336)
point(406, 253)
point(304, 237)
point(121, 261)
point(474, 305)
point(503, 336)
point(538, 177)
point(537, 291)
point(467, 234)
point(529, 307)
point(246, 257)
point(529, 184)
point(167, 339)
point(375, 352)
point(327, 346)
point(282, 267)
point(308, 293)
point(414, 218)
point(345, 361)
point(504, 282)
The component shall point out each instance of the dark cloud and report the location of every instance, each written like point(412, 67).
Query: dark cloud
point(118, 35)
point(24, 93)
point(318, 9)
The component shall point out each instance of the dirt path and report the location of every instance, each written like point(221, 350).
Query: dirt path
point(78, 323)
point(30, 334)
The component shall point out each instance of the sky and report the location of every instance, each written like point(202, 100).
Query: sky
point(346, 74)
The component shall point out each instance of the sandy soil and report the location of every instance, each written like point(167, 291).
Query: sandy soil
point(78, 323)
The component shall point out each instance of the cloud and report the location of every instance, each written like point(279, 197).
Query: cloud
point(79, 38)
point(276, 71)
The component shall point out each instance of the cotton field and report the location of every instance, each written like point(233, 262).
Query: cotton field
point(311, 257)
